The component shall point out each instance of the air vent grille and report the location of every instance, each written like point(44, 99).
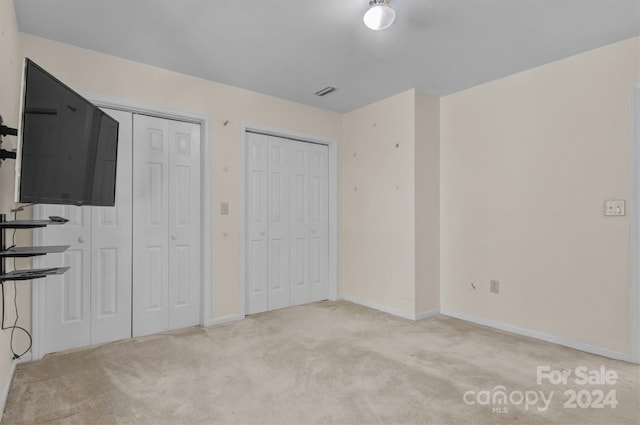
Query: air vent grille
point(325, 91)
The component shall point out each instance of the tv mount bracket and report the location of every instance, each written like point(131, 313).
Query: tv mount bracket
point(7, 131)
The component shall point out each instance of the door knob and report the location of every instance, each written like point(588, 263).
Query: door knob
point(174, 237)
point(262, 233)
point(82, 239)
point(313, 230)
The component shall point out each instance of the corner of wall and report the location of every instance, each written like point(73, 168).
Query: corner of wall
point(390, 207)
point(427, 193)
point(377, 204)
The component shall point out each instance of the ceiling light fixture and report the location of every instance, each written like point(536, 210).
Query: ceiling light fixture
point(380, 15)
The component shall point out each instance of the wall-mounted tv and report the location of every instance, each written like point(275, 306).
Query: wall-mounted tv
point(67, 147)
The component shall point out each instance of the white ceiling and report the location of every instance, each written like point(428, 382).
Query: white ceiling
point(292, 48)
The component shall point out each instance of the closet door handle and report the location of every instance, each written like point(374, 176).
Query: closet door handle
point(262, 233)
point(174, 237)
point(82, 239)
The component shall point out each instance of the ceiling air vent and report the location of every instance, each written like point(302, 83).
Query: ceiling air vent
point(325, 91)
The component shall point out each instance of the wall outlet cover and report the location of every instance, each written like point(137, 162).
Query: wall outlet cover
point(614, 208)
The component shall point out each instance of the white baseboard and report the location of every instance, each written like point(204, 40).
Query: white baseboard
point(427, 314)
point(392, 311)
point(593, 349)
point(223, 320)
point(7, 384)
point(378, 307)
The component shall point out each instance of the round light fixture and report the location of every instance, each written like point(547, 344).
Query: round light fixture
point(380, 15)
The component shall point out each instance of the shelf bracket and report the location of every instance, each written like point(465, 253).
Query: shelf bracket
point(7, 131)
point(5, 154)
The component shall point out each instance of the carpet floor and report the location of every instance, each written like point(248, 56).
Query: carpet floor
point(326, 363)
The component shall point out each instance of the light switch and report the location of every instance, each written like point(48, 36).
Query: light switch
point(224, 208)
point(614, 208)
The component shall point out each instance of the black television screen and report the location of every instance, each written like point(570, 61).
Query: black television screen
point(67, 147)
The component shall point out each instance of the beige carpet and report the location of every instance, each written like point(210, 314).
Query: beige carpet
point(328, 362)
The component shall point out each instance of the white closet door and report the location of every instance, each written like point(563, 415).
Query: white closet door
point(257, 223)
point(309, 223)
point(67, 297)
point(166, 225)
point(278, 223)
point(184, 224)
point(91, 302)
point(150, 225)
point(111, 249)
point(287, 223)
point(319, 222)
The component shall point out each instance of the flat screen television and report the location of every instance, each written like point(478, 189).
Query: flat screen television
point(67, 147)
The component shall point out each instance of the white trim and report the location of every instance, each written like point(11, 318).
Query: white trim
point(206, 192)
point(7, 385)
point(389, 310)
point(427, 314)
point(332, 144)
point(136, 107)
point(37, 300)
point(225, 319)
point(593, 349)
point(380, 307)
point(634, 225)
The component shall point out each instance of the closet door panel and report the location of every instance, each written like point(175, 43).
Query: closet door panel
point(300, 220)
point(67, 298)
point(111, 249)
point(184, 224)
point(288, 209)
point(318, 222)
point(257, 223)
point(150, 225)
point(278, 223)
point(309, 222)
point(91, 302)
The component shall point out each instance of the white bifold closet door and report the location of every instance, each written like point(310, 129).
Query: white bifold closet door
point(287, 216)
point(135, 267)
point(309, 222)
point(166, 225)
point(91, 302)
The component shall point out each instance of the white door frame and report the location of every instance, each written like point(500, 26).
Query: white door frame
point(332, 144)
point(206, 218)
point(634, 217)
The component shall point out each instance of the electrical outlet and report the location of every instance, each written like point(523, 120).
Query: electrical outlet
point(224, 208)
point(615, 208)
point(495, 286)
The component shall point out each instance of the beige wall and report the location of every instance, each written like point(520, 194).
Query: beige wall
point(427, 186)
point(98, 73)
point(10, 74)
point(389, 214)
point(377, 203)
point(527, 162)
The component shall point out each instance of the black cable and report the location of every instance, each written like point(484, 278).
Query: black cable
point(15, 323)
point(14, 327)
point(15, 305)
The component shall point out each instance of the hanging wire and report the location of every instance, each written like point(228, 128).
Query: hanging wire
point(15, 305)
